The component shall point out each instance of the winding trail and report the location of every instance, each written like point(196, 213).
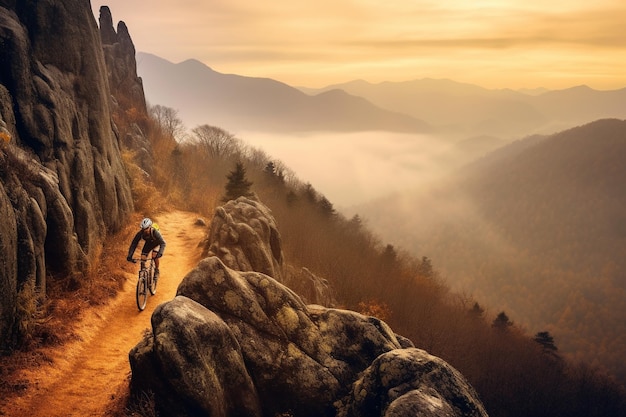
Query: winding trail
point(85, 376)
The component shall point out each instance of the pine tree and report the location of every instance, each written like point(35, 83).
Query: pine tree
point(274, 173)
point(237, 185)
point(502, 322)
point(477, 311)
point(389, 256)
point(326, 207)
point(546, 341)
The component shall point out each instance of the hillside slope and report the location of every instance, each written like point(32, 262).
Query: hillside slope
point(537, 229)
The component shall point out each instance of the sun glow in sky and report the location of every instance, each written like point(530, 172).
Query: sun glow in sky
point(492, 43)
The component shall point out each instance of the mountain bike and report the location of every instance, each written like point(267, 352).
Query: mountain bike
point(146, 281)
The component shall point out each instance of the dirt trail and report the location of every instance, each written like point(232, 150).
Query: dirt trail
point(85, 376)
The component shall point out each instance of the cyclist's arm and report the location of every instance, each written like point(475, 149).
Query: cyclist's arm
point(133, 244)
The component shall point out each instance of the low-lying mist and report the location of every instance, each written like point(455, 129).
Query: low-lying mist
point(352, 168)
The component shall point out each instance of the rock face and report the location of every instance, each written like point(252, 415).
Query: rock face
point(63, 182)
point(127, 92)
point(121, 64)
point(240, 343)
point(245, 237)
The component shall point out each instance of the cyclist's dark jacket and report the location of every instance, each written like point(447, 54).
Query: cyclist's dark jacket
point(152, 241)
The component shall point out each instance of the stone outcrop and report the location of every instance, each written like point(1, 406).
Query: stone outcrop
point(239, 342)
point(244, 235)
point(231, 334)
point(410, 382)
point(121, 63)
point(127, 92)
point(63, 182)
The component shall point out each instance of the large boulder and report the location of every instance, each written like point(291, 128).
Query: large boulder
point(199, 361)
point(410, 382)
point(244, 235)
point(234, 334)
point(63, 172)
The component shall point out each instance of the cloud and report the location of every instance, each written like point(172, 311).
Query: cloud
point(325, 42)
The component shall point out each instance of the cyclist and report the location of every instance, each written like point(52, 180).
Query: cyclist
point(152, 237)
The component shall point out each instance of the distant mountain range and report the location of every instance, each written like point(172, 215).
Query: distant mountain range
point(237, 103)
point(443, 107)
point(538, 229)
point(470, 110)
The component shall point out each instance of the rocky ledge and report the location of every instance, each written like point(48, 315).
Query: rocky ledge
point(240, 343)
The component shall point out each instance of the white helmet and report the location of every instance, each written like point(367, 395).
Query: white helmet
point(145, 223)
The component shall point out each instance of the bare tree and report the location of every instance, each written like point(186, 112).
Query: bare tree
point(257, 157)
point(168, 120)
point(215, 141)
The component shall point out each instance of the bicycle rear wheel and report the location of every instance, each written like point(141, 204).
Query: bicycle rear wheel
point(142, 291)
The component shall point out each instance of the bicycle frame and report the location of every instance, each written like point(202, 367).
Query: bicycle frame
point(146, 281)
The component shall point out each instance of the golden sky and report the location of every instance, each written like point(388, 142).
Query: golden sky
point(314, 43)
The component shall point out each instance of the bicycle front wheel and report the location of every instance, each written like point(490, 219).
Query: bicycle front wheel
point(142, 291)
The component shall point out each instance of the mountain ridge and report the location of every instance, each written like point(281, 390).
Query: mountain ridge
point(233, 102)
point(446, 107)
point(473, 110)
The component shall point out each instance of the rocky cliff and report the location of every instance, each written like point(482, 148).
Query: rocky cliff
point(121, 63)
point(240, 343)
point(62, 182)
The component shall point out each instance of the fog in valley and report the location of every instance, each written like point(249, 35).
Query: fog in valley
point(354, 168)
point(509, 229)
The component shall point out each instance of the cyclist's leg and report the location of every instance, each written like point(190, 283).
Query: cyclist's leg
point(156, 260)
point(145, 251)
point(149, 249)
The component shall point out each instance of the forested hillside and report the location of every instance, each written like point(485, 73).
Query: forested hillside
point(537, 229)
